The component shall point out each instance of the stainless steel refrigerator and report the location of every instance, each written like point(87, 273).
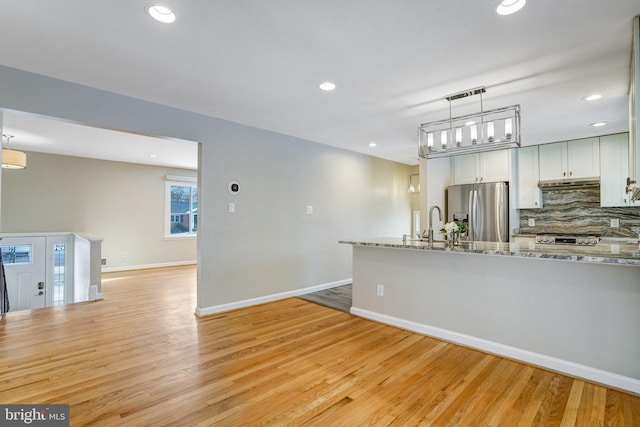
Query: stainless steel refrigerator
point(484, 207)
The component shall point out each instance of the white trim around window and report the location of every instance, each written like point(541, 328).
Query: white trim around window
point(181, 197)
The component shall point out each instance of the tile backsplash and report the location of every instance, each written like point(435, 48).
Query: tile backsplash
point(577, 210)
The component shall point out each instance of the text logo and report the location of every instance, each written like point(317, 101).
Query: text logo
point(34, 415)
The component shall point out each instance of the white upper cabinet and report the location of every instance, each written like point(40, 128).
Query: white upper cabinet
point(529, 194)
point(464, 169)
point(583, 158)
point(576, 159)
point(614, 170)
point(495, 166)
point(553, 161)
point(490, 166)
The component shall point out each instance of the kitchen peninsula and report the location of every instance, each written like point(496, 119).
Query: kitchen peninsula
point(573, 310)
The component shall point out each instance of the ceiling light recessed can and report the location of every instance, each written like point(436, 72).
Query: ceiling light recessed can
point(372, 144)
point(327, 86)
point(598, 124)
point(592, 97)
point(161, 13)
point(507, 7)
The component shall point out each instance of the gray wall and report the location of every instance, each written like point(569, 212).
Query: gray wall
point(120, 202)
point(270, 245)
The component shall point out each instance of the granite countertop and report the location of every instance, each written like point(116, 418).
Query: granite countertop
point(604, 253)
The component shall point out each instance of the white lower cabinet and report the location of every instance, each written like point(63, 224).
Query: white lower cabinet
point(529, 194)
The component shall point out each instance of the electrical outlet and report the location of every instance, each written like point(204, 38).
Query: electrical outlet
point(232, 207)
point(380, 290)
point(309, 210)
point(532, 222)
point(103, 261)
point(615, 223)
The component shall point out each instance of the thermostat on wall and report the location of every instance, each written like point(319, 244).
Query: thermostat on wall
point(234, 187)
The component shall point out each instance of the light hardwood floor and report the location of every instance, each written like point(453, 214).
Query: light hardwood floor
point(141, 357)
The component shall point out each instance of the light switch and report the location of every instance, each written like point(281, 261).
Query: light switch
point(532, 222)
point(615, 223)
point(309, 210)
point(232, 207)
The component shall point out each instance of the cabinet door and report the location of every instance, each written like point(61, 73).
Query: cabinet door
point(583, 157)
point(553, 161)
point(465, 169)
point(529, 194)
point(494, 166)
point(614, 169)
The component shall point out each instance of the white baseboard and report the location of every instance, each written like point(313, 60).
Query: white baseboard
point(147, 266)
point(599, 376)
point(269, 298)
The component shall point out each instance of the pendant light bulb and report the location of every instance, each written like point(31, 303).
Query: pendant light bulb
point(474, 134)
point(430, 141)
point(490, 131)
point(508, 128)
point(458, 137)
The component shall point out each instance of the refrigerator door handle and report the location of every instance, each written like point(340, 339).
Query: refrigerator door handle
point(471, 219)
point(473, 205)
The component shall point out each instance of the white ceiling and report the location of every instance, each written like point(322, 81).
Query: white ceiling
point(260, 63)
point(45, 135)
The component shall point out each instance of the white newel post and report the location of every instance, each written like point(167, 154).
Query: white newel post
point(87, 271)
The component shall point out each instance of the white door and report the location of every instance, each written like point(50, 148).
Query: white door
point(24, 266)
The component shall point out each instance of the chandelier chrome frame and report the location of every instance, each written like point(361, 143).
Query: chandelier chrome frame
point(484, 131)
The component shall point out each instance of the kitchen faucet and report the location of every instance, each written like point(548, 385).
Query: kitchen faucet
point(430, 231)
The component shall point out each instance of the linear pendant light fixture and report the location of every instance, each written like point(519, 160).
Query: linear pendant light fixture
point(13, 159)
point(484, 131)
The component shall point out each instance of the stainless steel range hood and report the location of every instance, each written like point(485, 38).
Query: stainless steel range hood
point(569, 184)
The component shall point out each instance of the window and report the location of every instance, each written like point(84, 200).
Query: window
point(182, 207)
point(18, 254)
point(59, 279)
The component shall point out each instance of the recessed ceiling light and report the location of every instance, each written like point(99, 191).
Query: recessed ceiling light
point(327, 86)
point(507, 7)
point(153, 156)
point(161, 13)
point(598, 124)
point(372, 144)
point(592, 97)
